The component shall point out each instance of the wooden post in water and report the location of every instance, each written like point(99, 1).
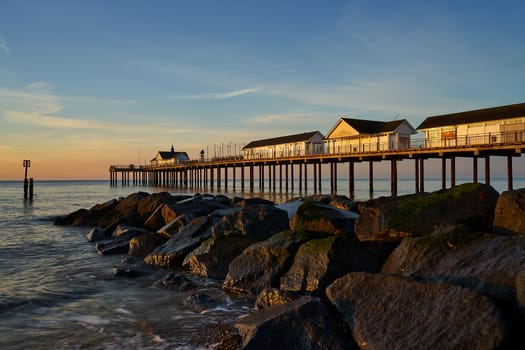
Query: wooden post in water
point(351, 182)
point(31, 189)
point(393, 177)
point(422, 175)
point(300, 178)
point(305, 178)
point(26, 164)
point(315, 178)
point(416, 173)
point(443, 173)
point(319, 177)
point(291, 177)
point(452, 172)
point(371, 177)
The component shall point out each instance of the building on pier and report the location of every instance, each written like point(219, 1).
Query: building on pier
point(169, 157)
point(308, 143)
point(350, 135)
point(494, 125)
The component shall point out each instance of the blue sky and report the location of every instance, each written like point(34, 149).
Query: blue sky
point(93, 83)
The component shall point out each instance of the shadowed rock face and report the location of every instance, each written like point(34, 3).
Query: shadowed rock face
point(262, 264)
point(314, 216)
point(386, 312)
point(393, 218)
point(509, 215)
point(304, 323)
point(484, 262)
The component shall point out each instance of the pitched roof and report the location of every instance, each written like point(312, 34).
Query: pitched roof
point(364, 126)
point(282, 139)
point(172, 155)
point(475, 116)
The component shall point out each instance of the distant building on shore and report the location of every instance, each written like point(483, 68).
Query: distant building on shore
point(169, 157)
point(350, 135)
point(307, 143)
point(483, 126)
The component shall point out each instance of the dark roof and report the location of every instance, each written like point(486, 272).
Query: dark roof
point(172, 155)
point(363, 126)
point(476, 116)
point(282, 139)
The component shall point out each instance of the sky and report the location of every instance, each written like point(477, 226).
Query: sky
point(86, 84)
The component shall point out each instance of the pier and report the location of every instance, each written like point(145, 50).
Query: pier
point(281, 174)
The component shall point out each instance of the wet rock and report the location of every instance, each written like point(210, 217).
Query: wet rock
point(120, 240)
point(262, 264)
point(96, 234)
point(173, 252)
point(509, 214)
point(125, 271)
point(486, 263)
point(304, 323)
point(177, 282)
point(156, 220)
point(254, 201)
point(200, 302)
point(254, 221)
point(338, 201)
point(387, 312)
point(272, 297)
point(290, 207)
point(176, 225)
point(393, 218)
point(231, 235)
point(143, 245)
point(317, 217)
point(319, 262)
point(520, 291)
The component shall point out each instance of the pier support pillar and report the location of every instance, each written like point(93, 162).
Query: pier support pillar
point(351, 178)
point(300, 178)
point(319, 177)
point(315, 178)
point(475, 169)
point(393, 177)
point(280, 178)
point(251, 178)
point(487, 170)
point(242, 178)
point(273, 176)
point(509, 173)
point(416, 174)
point(305, 178)
point(443, 173)
point(452, 172)
point(371, 177)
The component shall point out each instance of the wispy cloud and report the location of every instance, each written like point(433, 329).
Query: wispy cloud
point(3, 46)
point(219, 95)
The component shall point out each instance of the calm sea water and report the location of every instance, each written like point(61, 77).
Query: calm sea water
point(57, 293)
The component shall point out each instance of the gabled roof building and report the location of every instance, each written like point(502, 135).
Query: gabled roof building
point(350, 135)
point(482, 126)
point(169, 157)
point(285, 146)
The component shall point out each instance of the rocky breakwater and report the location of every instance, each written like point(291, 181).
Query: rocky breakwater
point(431, 270)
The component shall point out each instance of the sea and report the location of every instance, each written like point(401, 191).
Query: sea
point(56, 292)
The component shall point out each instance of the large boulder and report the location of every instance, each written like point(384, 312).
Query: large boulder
point(486, 263)
point(319, 262)
point(120, 238)
point(262, 264)
point(388, 312)
point(509, 215)
point(304, 323)
point(80, 215)
point(143, 245)
point(272, 297)
point(173, 252)
point(231, 235)
point(175, 225)
point(393, 218)
point(314, 216)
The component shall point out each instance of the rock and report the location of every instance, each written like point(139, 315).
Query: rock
point(173, 252)
point(254, 221)
point(317, 217)
point(149, 204)
point(143, 245)
point(509, 215)
point(120, 240)
point(262, 264)
point(69, 219)
point(393, 218)
point(200, 302)
point(338, 201)
point(272, 297)
point(487, 263)
point(212, 258)
point(156, 220)
point(176, 225)
point(290, 207)
point(254, 201)
point(177, 282)
point(231, 235)
point(520, 291)
point(387, 312)
point(96, 234)
point(319, 262)
point(120, 271)
point(304, 323)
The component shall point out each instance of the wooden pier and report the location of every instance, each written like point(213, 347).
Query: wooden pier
point(283, 173)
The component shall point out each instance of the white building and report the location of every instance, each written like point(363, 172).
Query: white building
point(483, 126)
point(169, 158)
point(350, 135)
point(307, 143)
